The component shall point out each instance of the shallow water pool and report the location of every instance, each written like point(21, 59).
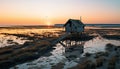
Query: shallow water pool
point(68, 58)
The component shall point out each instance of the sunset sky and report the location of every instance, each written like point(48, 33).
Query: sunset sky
point(48, 12)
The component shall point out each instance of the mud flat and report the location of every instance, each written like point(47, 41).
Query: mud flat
point(30, 50)
point(112, 34)
point(16, 54)
point(13, 55)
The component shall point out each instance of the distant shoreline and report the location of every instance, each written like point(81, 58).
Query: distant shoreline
point(94, 25)
point(57, 26)
point(26, 27)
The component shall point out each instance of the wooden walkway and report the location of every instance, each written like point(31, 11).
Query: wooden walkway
point(60, 38)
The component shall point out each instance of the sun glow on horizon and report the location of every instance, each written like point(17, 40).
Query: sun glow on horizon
point(46, 12)
point(48, 23)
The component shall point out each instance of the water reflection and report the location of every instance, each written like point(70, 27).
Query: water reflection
point(73, 49)
point(70, 53)
point(7, 40)
point(27, 31)
point(10, 40)
point(98, 44)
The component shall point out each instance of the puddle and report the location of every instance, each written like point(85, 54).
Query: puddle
point(10, 40)
point(98, 44)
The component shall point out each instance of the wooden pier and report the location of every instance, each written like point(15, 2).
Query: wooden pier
point(60, 38)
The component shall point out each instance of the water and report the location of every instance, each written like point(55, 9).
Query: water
point(60, 55)
point(104, 25)
point(27, 31)
point(7, 40)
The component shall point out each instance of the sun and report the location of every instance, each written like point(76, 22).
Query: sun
point(48, 23)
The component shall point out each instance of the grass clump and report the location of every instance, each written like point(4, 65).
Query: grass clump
point(112, 62)
point(19, 54)
point(58, 66)
point(111, 47)
point(5, 57)
point(85, 65)
point(115, 37)
point(99, 54)
point(88, 54)
point(5, 51)
point(100, 61)
point(25, 57)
